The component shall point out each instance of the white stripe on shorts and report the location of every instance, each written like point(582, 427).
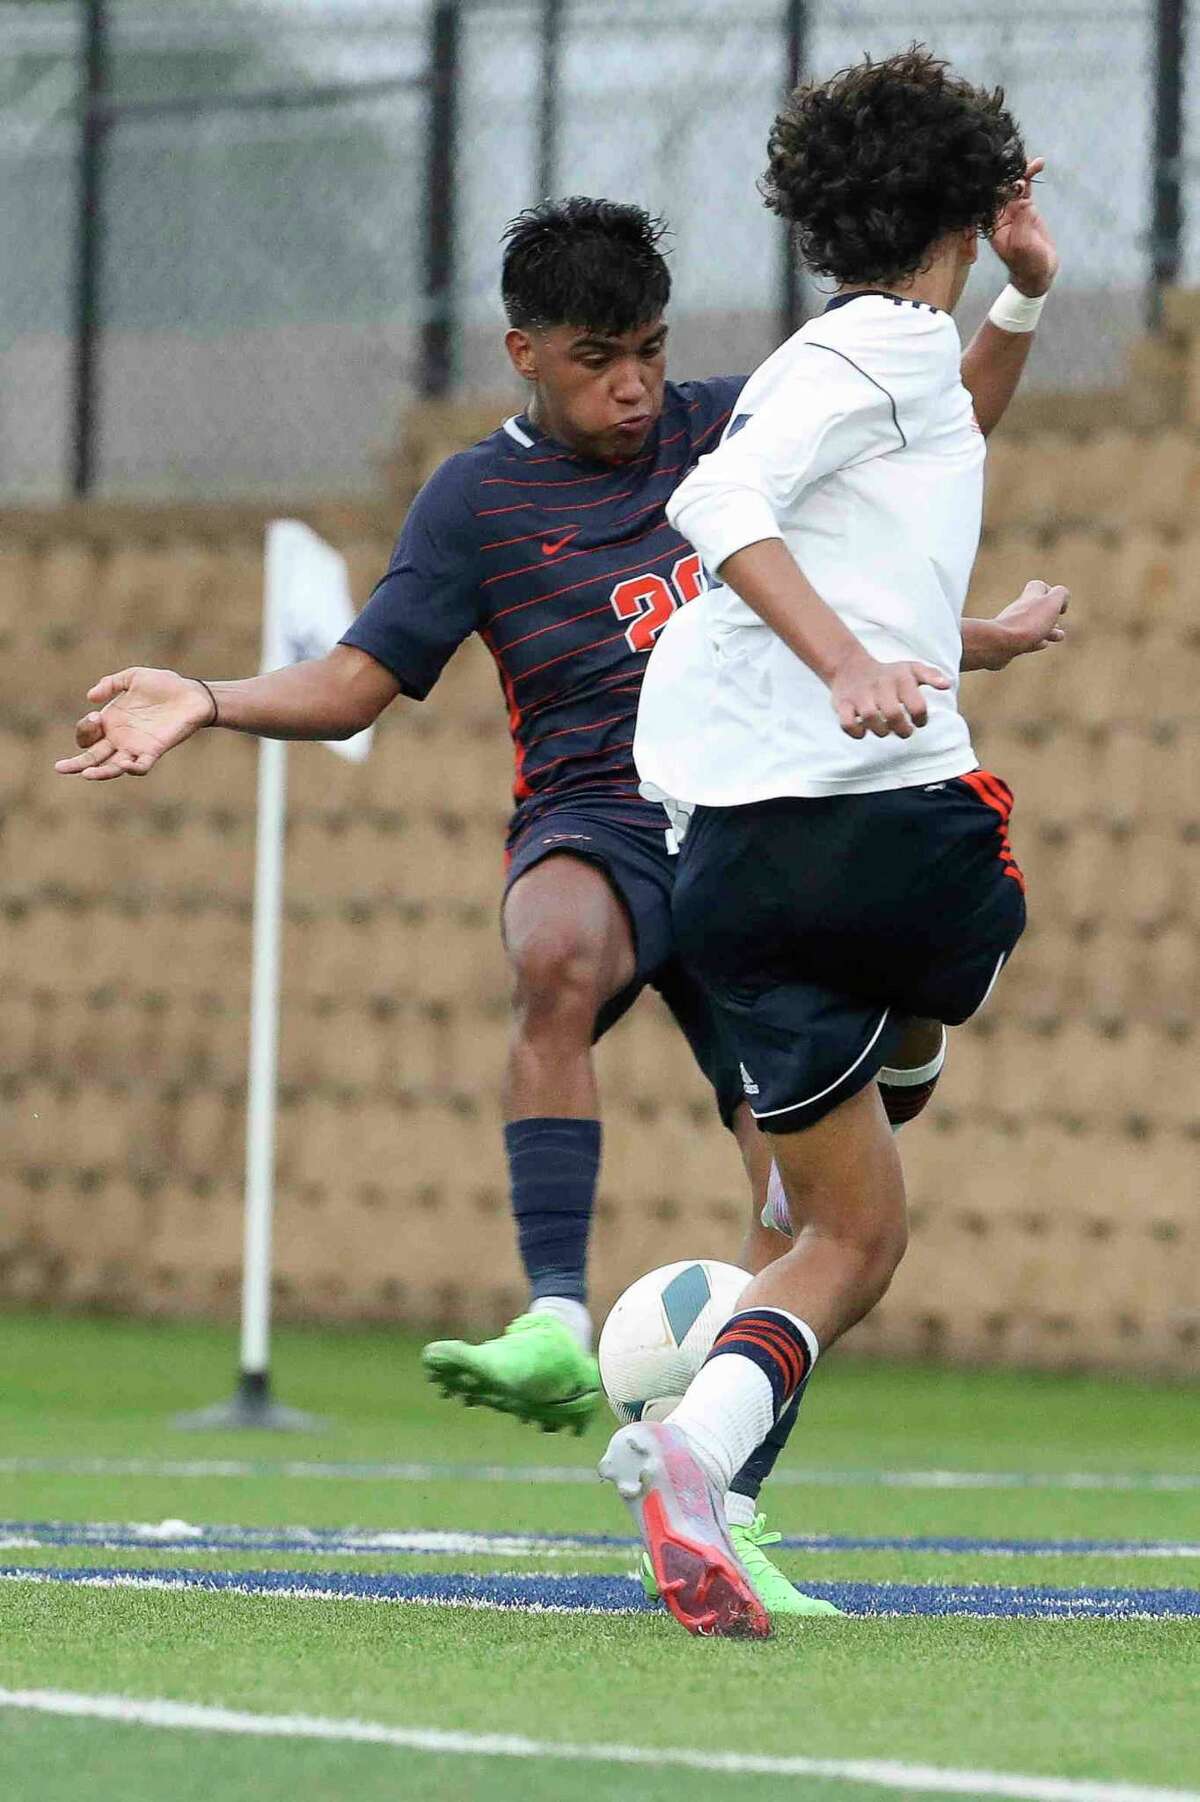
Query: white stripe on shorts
point(795, 1106)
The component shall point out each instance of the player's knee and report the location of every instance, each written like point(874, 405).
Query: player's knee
point(558, 978)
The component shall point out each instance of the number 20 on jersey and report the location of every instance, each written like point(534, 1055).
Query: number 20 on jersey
point(649, 601)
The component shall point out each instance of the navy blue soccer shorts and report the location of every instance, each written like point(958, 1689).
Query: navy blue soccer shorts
point(820, 927)
point(641, 872)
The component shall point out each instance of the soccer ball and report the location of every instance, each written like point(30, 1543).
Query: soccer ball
point(660, 1332)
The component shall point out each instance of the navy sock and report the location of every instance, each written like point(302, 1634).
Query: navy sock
point(761, 1462)
point(781, 1346)
point(553, 1166)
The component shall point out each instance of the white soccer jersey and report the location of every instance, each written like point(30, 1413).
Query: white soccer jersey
point(855, 443)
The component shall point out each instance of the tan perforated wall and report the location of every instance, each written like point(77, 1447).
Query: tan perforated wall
point(1053, 1187)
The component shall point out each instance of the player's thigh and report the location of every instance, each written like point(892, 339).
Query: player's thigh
point(563, 921)
point(920, 1041)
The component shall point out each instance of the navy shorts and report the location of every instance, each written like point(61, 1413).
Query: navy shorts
point(821, 926)
point(641, 872)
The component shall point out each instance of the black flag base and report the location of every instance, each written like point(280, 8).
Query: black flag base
point(250, 1406)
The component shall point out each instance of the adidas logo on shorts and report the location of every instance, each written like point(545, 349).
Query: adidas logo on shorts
point(748, 1082)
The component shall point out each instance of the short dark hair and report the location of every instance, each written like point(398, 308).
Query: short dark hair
point(590, 263)
point(876, 164)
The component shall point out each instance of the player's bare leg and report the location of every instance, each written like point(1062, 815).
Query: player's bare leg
point(906, 1088)
point(570, 949)
point(846, 1176)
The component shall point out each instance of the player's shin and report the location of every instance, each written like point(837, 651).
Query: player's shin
point(845, 1184)
point(553, 1169)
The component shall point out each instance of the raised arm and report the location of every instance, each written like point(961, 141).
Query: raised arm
point(140, 714)
point(995, 359)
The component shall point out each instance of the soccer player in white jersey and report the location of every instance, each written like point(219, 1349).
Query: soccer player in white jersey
point(846, 875)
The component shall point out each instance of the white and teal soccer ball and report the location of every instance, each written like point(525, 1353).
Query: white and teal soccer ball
point(660, 1332)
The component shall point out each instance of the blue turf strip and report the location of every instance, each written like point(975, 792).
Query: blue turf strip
point(343, 1542)
point(603, 1594)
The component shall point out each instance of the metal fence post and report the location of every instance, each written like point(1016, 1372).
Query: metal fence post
point(1166, 230)
point(791, 300)
point(89, 247)
point(548, 113)
point(439, 331)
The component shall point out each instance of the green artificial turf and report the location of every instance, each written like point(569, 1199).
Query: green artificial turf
point(1054, 1698)
point(128, 1762)
point(1104, 1699)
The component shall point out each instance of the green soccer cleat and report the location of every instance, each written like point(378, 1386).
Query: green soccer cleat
point(536, 1370)
point(777, 1595)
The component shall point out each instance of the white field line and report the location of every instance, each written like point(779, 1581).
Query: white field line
point(181, 1535)
point(295, 1542)
point(191, 1584)
point(880, 1773)
point(1133, 1482)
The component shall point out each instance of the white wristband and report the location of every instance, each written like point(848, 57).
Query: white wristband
point(1013, 311)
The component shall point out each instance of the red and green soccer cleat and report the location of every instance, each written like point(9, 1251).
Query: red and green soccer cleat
point(537, 1370)
point(777, 1595)
point(680, 1514)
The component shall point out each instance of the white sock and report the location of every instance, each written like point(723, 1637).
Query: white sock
point(729, 1408)
point(740, 1510)
point(726, 1414)
point(573, 1315)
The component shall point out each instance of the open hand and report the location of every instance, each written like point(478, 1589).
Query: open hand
point(1031, 623)
point(140, 715)
point(883, 698)
point(1022, 241)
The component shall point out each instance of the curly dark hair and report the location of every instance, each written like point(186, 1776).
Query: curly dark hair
point(589, 263)
point(876, 164)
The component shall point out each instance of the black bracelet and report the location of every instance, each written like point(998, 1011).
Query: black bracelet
point(216, 711)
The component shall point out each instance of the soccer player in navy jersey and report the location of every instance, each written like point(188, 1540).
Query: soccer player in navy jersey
point(550, 540)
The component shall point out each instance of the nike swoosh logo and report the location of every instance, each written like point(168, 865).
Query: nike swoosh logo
point(552, 546)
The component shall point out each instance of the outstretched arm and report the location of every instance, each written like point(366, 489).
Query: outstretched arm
point(1029, 624)
point(995, 359)
point(141, 714)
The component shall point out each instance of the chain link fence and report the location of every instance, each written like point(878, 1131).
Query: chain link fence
point(241, 238)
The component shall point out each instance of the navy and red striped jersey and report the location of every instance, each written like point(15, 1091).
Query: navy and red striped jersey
point(568, 570)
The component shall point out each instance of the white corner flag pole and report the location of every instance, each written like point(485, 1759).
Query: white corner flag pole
point(262, 1082)
point(307, 608)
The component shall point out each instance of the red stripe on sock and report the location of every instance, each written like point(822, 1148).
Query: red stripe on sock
point(779, 1332)
point(772, 1339)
